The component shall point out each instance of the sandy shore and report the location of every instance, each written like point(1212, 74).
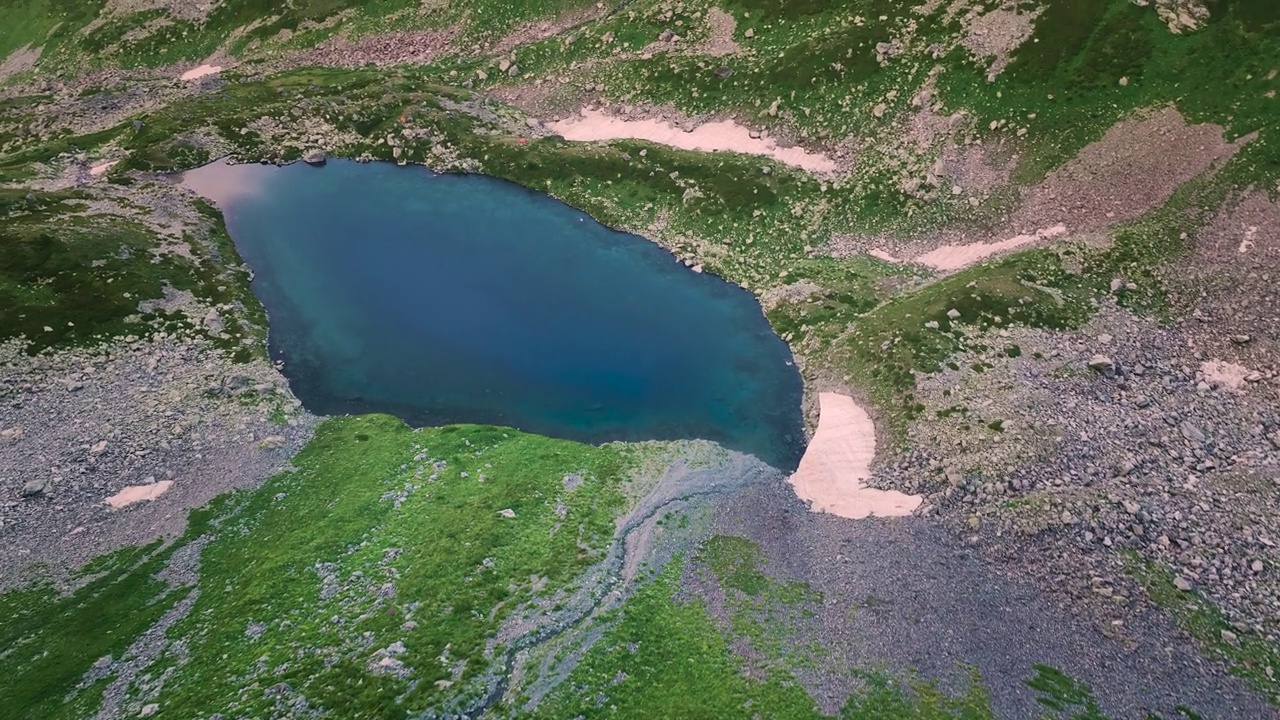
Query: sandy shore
point(222, 182)
point(724, 135)
point(838, 460)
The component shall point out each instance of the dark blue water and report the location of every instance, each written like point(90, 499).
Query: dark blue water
point(445, 298)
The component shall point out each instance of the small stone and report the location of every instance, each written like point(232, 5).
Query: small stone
point(1228, 636)
point(1240, 339)
point(507, 513)
point(954, 314)
point(749, 33)
point(271, 442)
point(1102, 364)
point(148, 710)
point(1182, 584)
point(1191, 432)
point(1256, 566)
point(35, 487)
point(9, 436)
point(98, 448)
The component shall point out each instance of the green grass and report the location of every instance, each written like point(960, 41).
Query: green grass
point(51, 639)
point(68, 278)
point(406, 526)
point(1248, 656)
point(667, 659)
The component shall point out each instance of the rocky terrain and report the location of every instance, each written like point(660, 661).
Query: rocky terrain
point(1037, 241)
point(80, 426)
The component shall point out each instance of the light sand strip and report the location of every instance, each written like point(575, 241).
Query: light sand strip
point(838, 461)
point(102, 168)
point(200, 71)
point(954, 257)
point(137, 493)
point(725, 135)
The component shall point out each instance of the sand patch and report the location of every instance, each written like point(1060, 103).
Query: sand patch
point(200, 71)
point(223, 183)
point(953, 257)
point(1224, 374)
point(886, 256)
point(137, 493)
point(837, 462)
point(102, 168)
point(722, 136)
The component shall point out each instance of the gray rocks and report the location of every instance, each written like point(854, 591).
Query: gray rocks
point(35, 488)
point(1182, 583)
point(10, 436)
point(954, 314)
point(1191, 432)
point(314, 156)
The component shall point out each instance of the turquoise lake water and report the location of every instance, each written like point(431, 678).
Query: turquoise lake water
point(462, 298)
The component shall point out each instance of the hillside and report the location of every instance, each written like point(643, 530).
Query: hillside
point(1038, 241)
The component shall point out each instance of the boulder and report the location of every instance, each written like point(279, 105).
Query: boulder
point(1102, 364)
point(35, 488)
point(314, 156)
point(9, 436)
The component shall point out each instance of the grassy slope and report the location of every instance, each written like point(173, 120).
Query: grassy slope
point(404, 524)
point(666, 657)
point(384, 535)
point(71, 276)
